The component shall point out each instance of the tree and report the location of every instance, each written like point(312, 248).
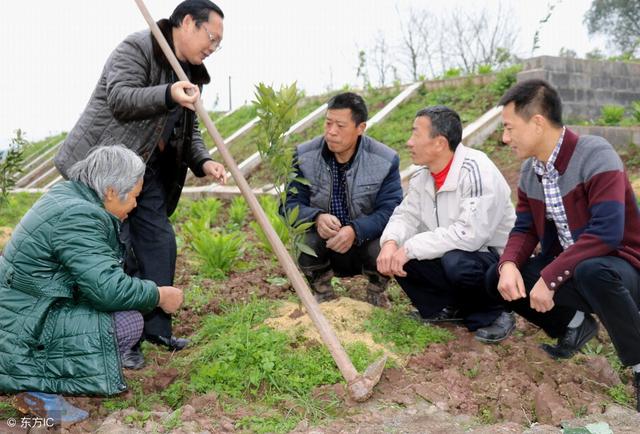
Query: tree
point(380, 59)
point(11, 165)
point(618, 20)
point(480, 39)
point(415, 44)
point(362, 69)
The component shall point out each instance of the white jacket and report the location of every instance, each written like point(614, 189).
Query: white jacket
point(472, 211)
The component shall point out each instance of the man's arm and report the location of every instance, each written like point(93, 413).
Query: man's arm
point(299, 194)
point(129, 94)
point(369, 227)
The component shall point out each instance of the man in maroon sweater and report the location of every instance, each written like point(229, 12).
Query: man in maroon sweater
point(575, 199)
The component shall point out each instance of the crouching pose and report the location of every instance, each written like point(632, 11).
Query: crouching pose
point(449, 229)
point(68, 312)
point(354, 185)
point(575, 199)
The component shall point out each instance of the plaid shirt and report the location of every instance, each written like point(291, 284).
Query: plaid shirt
point(554, 208)
point(339, 206)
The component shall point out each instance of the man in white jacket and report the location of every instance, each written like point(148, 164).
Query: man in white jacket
point(450, 228)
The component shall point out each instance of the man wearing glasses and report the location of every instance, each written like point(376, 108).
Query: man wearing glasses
point(139, 102)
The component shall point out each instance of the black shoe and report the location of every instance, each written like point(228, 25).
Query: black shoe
point(133, 358)
point(447, 314)
point(636, 385)
point(171, 343)
point(573, 340)
point(499, 330)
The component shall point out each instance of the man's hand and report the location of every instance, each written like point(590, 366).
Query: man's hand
point(383, 262)
point(541, 297)
point(215, 170)
point(327, 225)
point(185, 93)
point(170, 298)
point(343, 240)
point(398, 260)
point(511, 285)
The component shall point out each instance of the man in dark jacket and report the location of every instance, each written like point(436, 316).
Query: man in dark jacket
point(354, 186)
point(138, 101)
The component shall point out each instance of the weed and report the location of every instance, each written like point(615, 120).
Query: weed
point(8, 411)
point(472, 372)
point(138, 418)
point(611, 114)
point(176, 394)
point(197, 297)
point(218, 252)
point(407, 335)
point(486, 416)
point(620, 395)
point(174, 420)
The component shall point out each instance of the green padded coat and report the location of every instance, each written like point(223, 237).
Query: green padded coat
point(61, 277)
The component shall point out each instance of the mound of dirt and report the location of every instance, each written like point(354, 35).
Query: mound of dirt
point(346, 316)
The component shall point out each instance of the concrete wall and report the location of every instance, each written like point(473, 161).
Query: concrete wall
point(586, 85)
point(619, 137)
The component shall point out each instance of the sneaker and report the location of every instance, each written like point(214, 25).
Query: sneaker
point(573, 340)
point(52, 408)
point(499, 330)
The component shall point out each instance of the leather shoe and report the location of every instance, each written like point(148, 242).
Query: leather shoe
point(498, 330)
point(447, 314)
point(133, 358)
point(573, 340)
point(636, 384)
point(171, 343)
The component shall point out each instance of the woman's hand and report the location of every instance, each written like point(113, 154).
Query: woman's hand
point(171, 298)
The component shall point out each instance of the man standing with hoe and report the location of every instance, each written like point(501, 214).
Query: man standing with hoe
point(140, 102)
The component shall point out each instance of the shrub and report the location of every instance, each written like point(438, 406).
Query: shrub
point(10, 165)
point(612, 114)
point(635, 110)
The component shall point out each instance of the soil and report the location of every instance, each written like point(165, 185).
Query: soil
point(460, 386)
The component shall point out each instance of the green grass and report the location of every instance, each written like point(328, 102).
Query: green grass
point(406, 334)
point(242, 360)
point(16, 207)
point(35, 149)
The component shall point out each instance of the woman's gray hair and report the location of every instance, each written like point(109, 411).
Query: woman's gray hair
point(109, 166)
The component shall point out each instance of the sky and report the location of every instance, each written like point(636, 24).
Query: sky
point(52, 54)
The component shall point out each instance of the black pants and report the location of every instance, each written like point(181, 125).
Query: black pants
point(151, 245)
point(357, 260)
point(457, 279)
point(607, 286)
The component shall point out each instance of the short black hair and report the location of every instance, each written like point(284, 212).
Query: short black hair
point(445, 122)
point(353, 101)
point(198, 9)
point(532, 97)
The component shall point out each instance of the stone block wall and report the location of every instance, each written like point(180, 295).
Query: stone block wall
point(586, 85)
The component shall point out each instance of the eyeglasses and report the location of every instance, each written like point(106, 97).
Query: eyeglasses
point(215, 42)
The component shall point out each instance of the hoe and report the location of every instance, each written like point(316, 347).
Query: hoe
point(360, 387)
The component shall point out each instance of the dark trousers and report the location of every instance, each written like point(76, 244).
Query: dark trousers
point(607, 286)
point(151, 245)
point(357, 260)
point(457, 279)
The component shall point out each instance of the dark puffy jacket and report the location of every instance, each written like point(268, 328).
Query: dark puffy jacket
point(129, 106)
point(373, 185)
point(61, 277)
